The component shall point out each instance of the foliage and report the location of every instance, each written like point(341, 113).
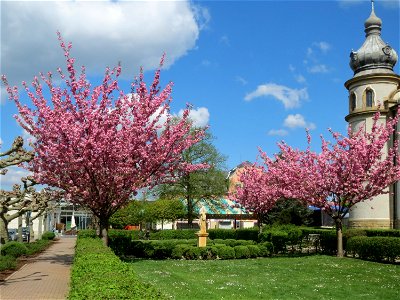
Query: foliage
point(307, 277)
point(135, 212)
point(15, 249)
point(288, 211)
point(241, 252)
point(383, 232)
point(350, 170)
point(99, 144)
point(239, 234)
point(98, 274)
point(87, 233)
point(376, 248)
point(166, 210)
point(226, 252)
point(7, 262)
point(48, 235)
point(37, 246)
point(207, 183)
point(173, 234)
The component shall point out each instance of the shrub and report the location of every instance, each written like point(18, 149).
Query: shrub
point(48, 235)
point(375, 248)
point(15, 249)
point(242, 252)
point(7, 262)
point(254, 251)
point(212, 252)
point(179, 250)
point(192, 252)
point(97, 273)
point(37, 246)
point(266, 249)
point(87, 233)
point(328, 242)
point(226, 252)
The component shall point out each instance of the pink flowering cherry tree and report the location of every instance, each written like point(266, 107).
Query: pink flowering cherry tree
point(353, 169)
point(99, 144)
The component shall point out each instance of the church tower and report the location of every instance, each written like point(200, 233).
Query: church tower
point(374, 86)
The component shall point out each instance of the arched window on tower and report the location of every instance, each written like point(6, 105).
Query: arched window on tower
point(353, 102)
point(369, 97)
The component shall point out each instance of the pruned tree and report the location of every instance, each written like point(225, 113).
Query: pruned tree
point(10, 201)
point(20, 200)
point(101, 145)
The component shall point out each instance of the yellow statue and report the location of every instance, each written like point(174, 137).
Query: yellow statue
point(202, 220)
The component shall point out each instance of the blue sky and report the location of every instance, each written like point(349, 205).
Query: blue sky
point(257, 72)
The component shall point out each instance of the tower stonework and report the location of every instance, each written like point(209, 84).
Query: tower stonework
point(374, 86)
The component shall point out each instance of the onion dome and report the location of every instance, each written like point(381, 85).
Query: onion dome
point(374, 56)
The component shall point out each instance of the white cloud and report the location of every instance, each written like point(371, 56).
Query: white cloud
point(289, 97)
point(136, 33)
point(297, 120)
point(200, 116)
point(323, 46)
point(318, 69)
point(278, 132)
point(13, 176)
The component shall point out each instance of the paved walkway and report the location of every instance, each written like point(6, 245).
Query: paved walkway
point(46, 277)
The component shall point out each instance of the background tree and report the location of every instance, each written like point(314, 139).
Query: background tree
point(135, 212)
point(167, 210)
point(210, 183)
point(289, 211)
point(99, 144)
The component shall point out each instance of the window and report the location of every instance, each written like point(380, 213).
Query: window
point(353, 102)
point(369, 97)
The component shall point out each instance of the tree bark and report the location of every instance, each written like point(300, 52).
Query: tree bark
point(103, 232)
point(339, 235)
point(3, 231)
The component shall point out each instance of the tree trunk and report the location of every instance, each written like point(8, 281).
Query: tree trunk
point(190, 213)
point(103, 232)
point(20, 229)
point(3, 231)
point(339, 235)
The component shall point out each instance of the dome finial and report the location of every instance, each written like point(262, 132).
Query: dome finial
point(373, 23)
point(374, 56)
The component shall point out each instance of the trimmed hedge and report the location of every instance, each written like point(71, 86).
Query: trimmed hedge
point(383, 232)
point(376, 248)
point(236, 234)
point(183, 234)
point(97, 273)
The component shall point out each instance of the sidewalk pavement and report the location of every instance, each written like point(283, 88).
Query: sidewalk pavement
point(46, 277)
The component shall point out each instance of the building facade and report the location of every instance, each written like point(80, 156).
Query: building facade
point(374, 86)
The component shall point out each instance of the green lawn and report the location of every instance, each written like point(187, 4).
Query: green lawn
point(310, 277)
